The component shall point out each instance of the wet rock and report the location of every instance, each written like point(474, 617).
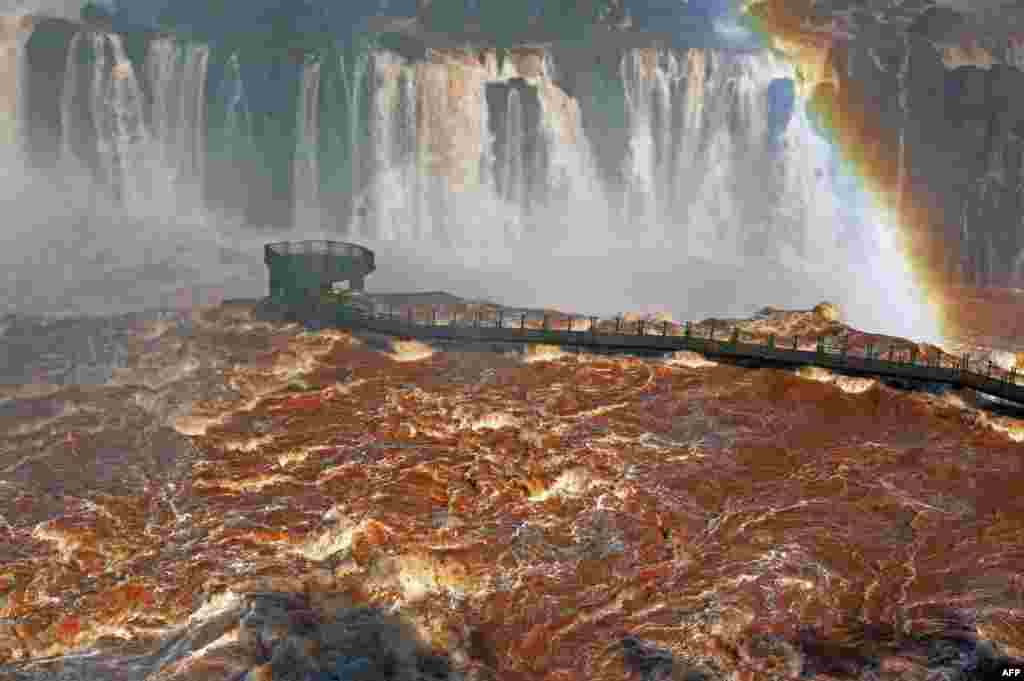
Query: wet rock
point(651, 662)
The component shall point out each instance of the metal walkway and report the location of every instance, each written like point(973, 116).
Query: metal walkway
point(648, 338)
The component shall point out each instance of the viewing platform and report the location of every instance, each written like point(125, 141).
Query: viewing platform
point(300, 269)
point(651, 337)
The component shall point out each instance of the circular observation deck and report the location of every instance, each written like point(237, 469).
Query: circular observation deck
point(300, 269)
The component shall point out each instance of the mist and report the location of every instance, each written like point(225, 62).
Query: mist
point(71, 250)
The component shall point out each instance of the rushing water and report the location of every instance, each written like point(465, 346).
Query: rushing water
point(462, 163)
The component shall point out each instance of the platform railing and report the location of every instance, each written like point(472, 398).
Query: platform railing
point(889, 359)
point(318, 247)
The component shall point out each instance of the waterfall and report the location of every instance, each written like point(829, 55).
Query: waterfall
point(354, 72)
point(306, 170)
point(177, 79)
point(667, 156)
point(700, 174)
point(513, 191)
point(393, 197)
point(647, 76)
point(698, 148)
point(144, 163)
point(390, 218)
point(67, 120)
point(132, 153)
point(97, 98)
point(408, 133)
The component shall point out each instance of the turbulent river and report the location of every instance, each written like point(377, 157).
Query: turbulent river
point(232, 498)
point(198, 493)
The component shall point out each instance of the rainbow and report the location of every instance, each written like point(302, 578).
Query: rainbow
point(871, 154)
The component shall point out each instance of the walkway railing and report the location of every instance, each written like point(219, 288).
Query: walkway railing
point(720, 341)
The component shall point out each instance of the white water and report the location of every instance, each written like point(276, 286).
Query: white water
point(513, 176)
point(701, 188)
point(73, 247)
point(685, 187)
point(306, 170)
point(177, 75)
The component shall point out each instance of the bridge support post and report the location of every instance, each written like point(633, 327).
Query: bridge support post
point(796, 342)
point(664, 328)
point(501, 319)
point(433, 316)
point(593, 325)
point(545, 322)
point(570, 324)
point(689, 329)
point(618, 324)
point(640, 327)
point(522, 322)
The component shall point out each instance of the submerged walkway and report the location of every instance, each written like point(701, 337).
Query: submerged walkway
point(652, 337)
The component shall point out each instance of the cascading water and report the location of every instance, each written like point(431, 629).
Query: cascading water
point(394, 196)
point(715, 170)
point(698, 171)
point(68, 91)
point(699, 151)
point(131, 228)
point(347, 114)
point(512, 178)
point(453, 156)
point(648, 102)
point(143, 160)
point(306, 170)
point(177, 78)
point(133, 160)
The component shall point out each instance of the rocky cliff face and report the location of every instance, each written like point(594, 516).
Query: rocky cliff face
point(944, 83)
